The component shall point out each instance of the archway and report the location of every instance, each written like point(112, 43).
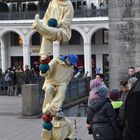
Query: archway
point(3, 7)
point(11, 49)
point(100, 52)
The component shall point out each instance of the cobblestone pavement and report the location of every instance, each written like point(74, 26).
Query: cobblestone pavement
point(13, 126)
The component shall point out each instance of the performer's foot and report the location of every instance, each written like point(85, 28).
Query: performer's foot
point(34, 25)
point(47, 122)
point(44, 67)
point(44, 60)
point(47, 125)
point(47, 118)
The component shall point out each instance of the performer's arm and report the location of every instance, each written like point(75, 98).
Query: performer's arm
point(51, 66)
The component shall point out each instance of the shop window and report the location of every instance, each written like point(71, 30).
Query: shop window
point(36, 39)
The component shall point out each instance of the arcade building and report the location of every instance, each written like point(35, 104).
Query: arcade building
point(19, 44)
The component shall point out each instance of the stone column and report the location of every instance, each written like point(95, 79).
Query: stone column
point(87, 58)
point(56, 48)
point(124, 39)
point(26, 55)
point(3, 56)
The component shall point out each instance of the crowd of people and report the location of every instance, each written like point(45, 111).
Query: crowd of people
point(114, 114)
point(16, 76)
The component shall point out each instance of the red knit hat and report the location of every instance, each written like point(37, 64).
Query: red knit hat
point(114, 95)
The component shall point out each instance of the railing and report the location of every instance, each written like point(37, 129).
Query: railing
point(77, 88)
point(31, 15)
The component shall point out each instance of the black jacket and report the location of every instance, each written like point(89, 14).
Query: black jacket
point(102, 117)
point(132, 112)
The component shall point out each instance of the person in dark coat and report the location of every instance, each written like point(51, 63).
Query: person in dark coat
point(101, 117)
point(132, 112)
point(27, 75)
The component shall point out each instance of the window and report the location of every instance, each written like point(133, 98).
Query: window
point(75, 38)
point(79, 5)
point(14, 39)
point(74, 5)
point(93, 39)
point(36, 39)
point(105, 36)
point(14, 7)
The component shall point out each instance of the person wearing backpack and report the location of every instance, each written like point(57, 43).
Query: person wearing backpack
point(101, 117)
point(117, 104)
point(9, 82)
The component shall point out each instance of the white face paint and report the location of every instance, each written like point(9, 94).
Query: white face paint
point(68, 61)
point(60, 114)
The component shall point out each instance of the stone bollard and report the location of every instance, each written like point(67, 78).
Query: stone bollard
point(30, 99)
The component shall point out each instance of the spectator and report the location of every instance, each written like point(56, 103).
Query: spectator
point(80, 72)
point(9, 80)
point(93, 7)
point(15, 80)
point(20, 80)
point(27, 75)
point(101, 117)
point(132, 113)
point(124, 90)
point(100, 77)
point(36, 70)
point(114, 97)
point(94, 86)
point(131, 73)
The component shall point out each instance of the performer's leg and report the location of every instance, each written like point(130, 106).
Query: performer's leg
point(46, 48)
point(46, 134)
point(49, 95)
point(51, 33)
point(58, 99)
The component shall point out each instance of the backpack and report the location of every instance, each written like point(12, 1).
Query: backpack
point(7, 77)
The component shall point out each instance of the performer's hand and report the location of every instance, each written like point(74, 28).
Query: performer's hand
point(37, 17)
point(59, 25)
point(44, 68)
point(36, 21)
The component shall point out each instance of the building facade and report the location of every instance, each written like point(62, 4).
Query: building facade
point(20, 44)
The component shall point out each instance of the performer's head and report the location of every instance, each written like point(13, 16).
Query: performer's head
point(71, 59)
point(60, 114)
